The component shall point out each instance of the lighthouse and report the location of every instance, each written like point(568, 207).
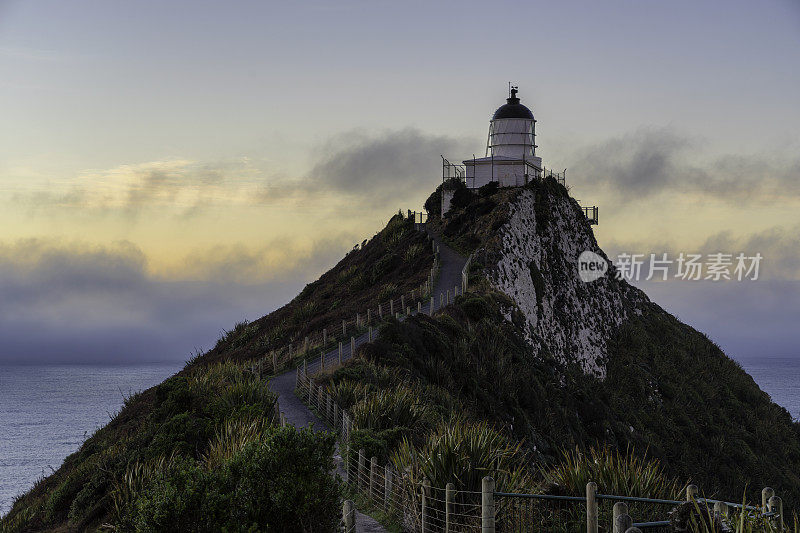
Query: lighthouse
point(510, 158)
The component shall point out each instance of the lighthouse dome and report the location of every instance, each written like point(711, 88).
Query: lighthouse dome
point(512, 109)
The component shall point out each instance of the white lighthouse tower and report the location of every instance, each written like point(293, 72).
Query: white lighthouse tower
point(510, 158)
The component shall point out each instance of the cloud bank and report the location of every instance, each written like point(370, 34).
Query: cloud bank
point(83, 303)
point(380, 170)
point(651, 161)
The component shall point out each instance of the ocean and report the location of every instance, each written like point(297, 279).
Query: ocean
point(47, 411)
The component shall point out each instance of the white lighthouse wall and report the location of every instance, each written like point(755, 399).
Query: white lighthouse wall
point(506, 174)
point(512, 137)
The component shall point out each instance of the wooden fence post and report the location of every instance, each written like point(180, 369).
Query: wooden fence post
point(349, 517)
point(424, 495)
point(721, 509)
point(369, 316)
point(352, 346)
point(361, 475)
point(591, 507)
point(380, 311)
point(775, 505)
point(324, 336)
point(283, 420)
point(432, 304)
point(623, 522)
point(766, 494)
point(419, 307)
point(620, 508)
point(305, 345)
point(370, 334)
point(344, 328)
point(340, 353)
point(387, 486)
point(329, 409)
point(449, 493)
point(691, 493)
point(373, 478)
point(487, 505)
point(358, 320)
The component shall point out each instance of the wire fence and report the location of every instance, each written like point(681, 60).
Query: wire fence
point(419, 507)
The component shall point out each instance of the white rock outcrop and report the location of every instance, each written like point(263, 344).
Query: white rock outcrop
point(535, 263)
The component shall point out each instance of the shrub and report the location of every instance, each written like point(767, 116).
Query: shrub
point(280, 484)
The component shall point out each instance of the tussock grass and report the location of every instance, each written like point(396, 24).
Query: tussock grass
point(413, 251)
point(232, 436)
point(387, 409)
point(614, 472)
point(347, 393)
point(463, 453)
point(388, 292)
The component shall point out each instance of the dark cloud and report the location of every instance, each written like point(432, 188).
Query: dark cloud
point(81, 303)
point(387, 166)
point(650, 161)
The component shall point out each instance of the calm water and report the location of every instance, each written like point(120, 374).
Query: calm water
point(46, 412)
point(780, 378)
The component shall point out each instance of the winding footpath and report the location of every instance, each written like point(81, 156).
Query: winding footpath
point(296, 412)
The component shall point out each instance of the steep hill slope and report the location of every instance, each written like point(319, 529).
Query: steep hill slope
point(559, 363)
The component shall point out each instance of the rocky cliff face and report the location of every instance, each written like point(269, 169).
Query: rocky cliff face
point(534, 260)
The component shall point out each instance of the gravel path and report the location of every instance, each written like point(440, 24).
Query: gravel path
point(296, 412)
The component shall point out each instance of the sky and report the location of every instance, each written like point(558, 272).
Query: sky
point(170, 168)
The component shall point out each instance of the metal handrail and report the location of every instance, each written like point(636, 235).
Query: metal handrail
point(637, 499)
point(541, 496)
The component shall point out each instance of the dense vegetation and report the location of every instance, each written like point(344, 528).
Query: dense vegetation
point(193, 452)
point(669, 393)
